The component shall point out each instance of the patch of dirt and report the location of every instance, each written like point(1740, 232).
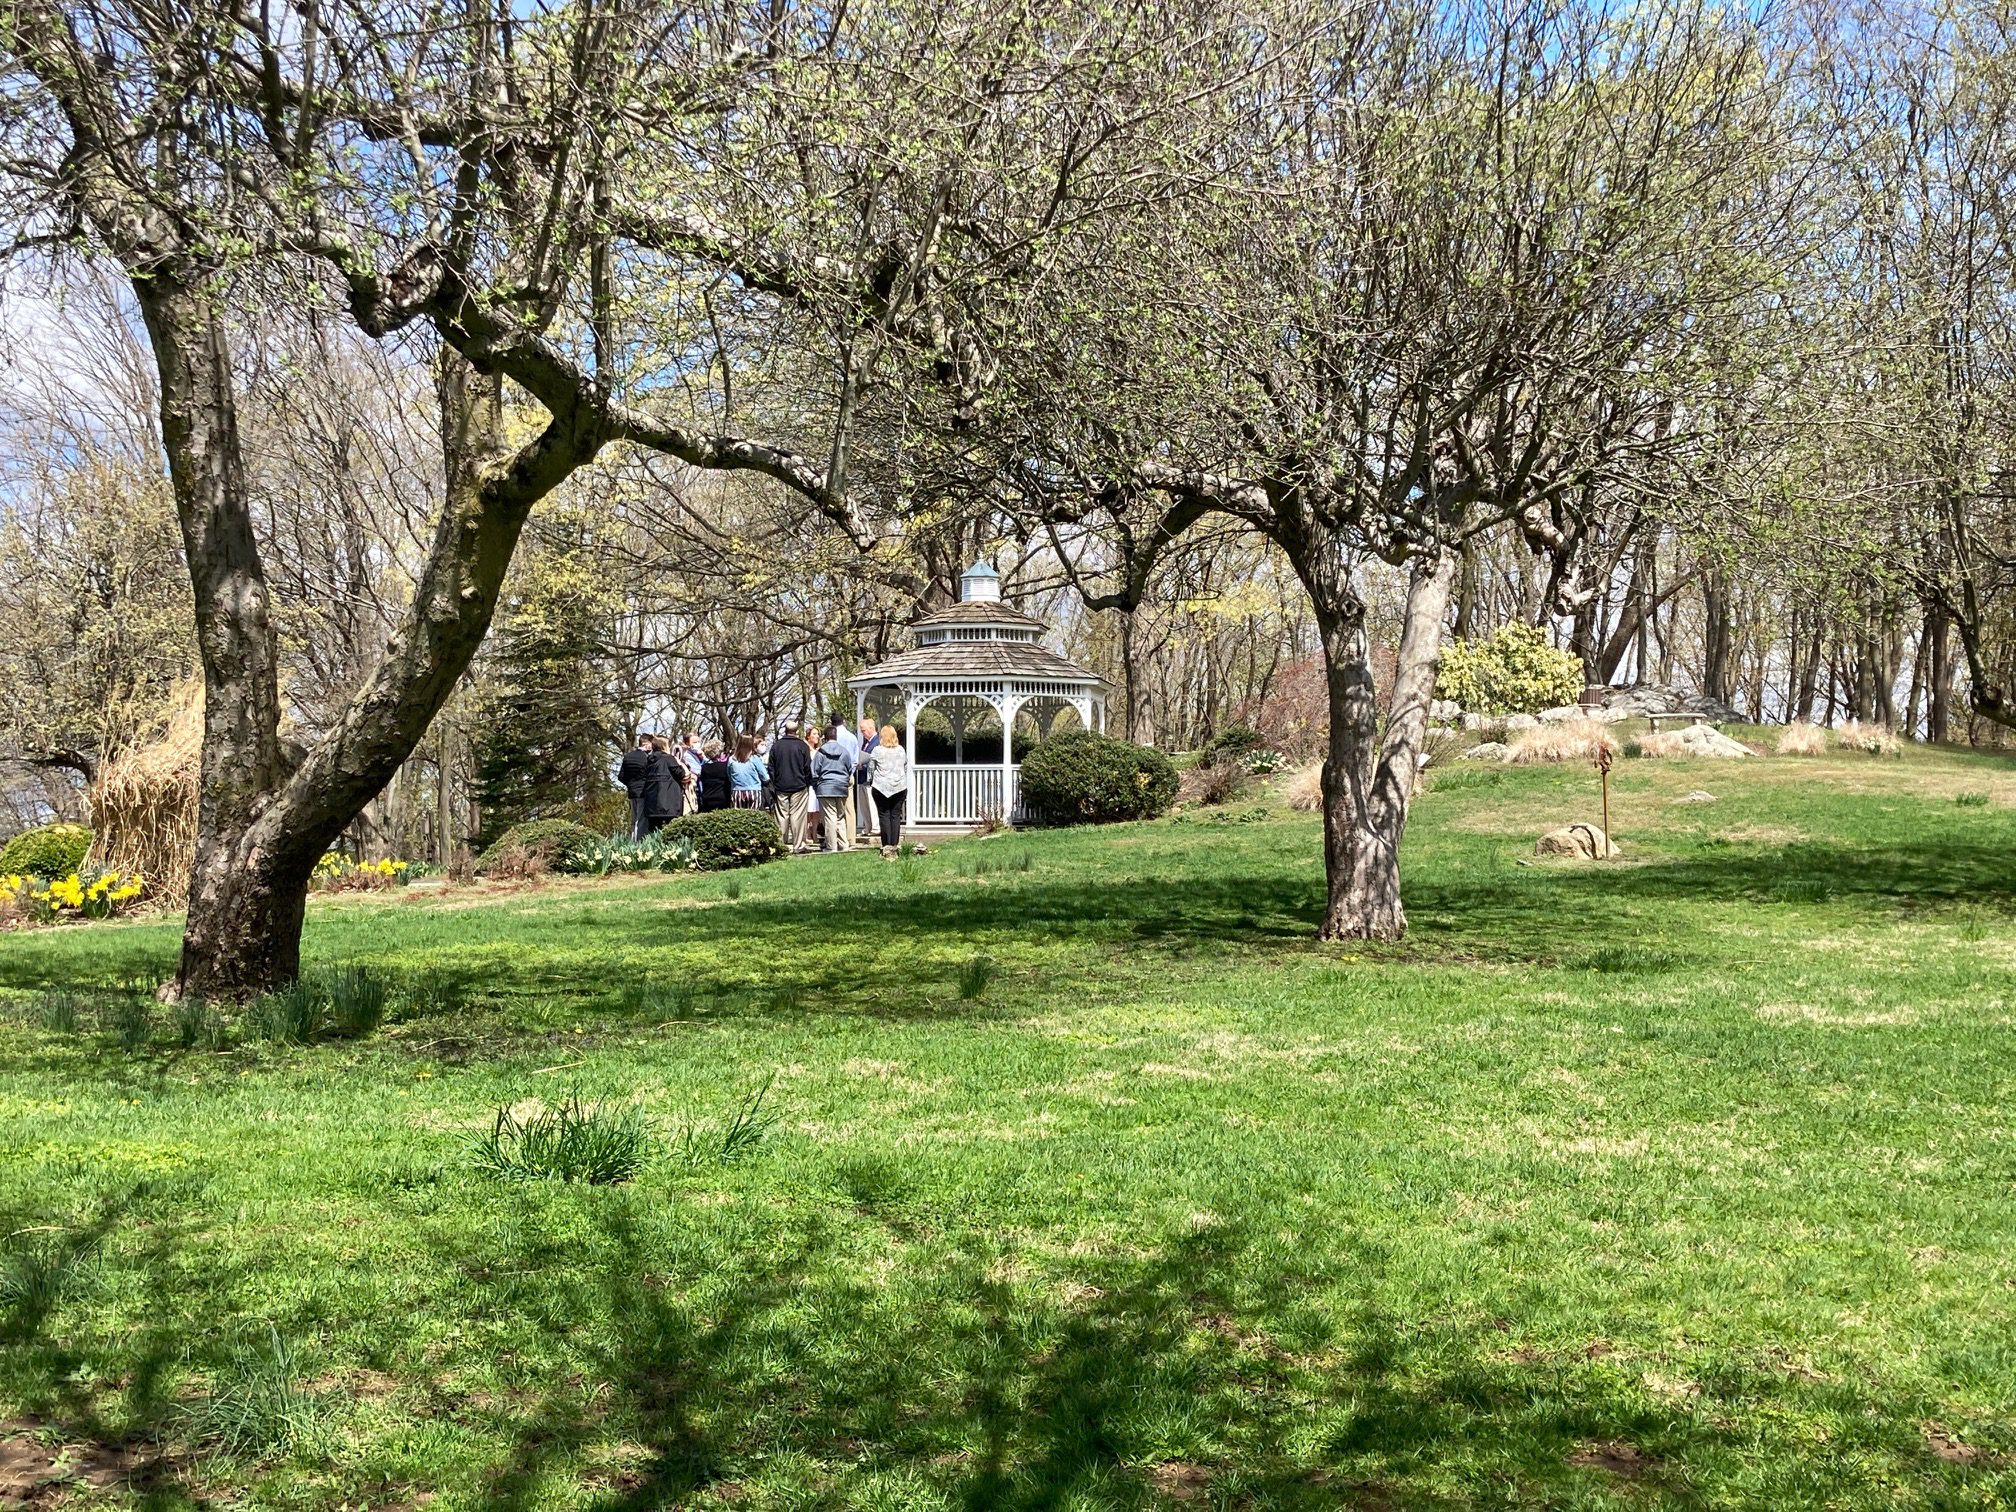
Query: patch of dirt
point(1614, 1456)
point(1179, 1480)
point(34, 1472)
point(1946, 1447)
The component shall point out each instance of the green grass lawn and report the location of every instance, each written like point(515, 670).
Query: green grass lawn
point(1682, 1180)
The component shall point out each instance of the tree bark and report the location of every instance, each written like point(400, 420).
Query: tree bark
point(244, 909)
point(1938, 676)
point(261, 829)
point(1368, 780)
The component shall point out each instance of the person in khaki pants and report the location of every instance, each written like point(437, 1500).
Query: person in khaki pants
point(833, 781)
point(791, 781)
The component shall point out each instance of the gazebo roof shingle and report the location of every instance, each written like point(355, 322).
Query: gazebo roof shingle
point(977, 659)
point(972, 612)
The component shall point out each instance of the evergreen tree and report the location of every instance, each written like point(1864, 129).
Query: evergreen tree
point(544, 746)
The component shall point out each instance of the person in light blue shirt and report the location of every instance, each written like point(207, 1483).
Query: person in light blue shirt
point(747, 773)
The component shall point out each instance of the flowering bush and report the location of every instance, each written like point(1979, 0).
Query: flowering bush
point(1513, 670)
point(657, 851)
point(83, 894)
point(336, 872)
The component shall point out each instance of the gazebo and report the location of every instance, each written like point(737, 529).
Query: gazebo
point(977, 659)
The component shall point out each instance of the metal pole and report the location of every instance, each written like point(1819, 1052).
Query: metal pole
point(1603, 768)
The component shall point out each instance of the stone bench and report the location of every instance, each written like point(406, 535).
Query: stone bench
point(1675, 716)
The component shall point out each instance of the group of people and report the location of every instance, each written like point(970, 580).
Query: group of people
point(852, 782)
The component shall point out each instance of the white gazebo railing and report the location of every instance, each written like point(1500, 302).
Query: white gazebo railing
point(963, 794)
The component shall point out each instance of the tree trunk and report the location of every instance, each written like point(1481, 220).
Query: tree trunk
point(1718, 638)
point(1368, 781)
point(1938, 676)
point(261, 829)
point(245, 907)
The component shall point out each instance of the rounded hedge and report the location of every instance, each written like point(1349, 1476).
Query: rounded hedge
point(727, 838)
point(550, 839)
point(1082, 778)
point(49, 851)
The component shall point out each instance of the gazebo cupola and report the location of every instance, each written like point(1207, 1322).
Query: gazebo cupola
point(980, 663)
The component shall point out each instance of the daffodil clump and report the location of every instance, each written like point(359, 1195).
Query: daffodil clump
point(86, 894)
point(337, 872)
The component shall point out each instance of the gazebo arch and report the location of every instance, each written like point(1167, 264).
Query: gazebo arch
point(978, 654)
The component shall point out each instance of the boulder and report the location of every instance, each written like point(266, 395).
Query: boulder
point(1697, 796)
point(1663, 698)
point(1443, 710)
point(1490, 750)
point(1706, 740)
point(1522, 722)
point(1473, 721)
point(1583, 841)
point(1561, 714)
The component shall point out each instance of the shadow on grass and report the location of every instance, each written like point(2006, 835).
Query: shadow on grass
point(1152, 1378)
point(60, 1381)
point(760, 956)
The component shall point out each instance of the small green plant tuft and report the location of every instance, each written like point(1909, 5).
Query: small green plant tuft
point(1971, 800)
point(740, 1131)
point(197, 1025)
point(258, 1404)
point(57, 1010)
point(37, 1271)
point(129, 1020)
point(975, 976)
point(1026, 861)
point(1628, 959)
point(357, 998)
point(733, 890)
point(293, 1015)
point(599, 1144)
point(429, 993)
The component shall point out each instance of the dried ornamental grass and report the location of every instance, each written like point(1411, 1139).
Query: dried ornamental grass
point(1876, 739)
point(1802, 739)
point(1569, 740)
point(143, 805)
point(1305, 789)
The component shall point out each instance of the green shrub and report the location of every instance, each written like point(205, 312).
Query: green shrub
point(1513, 670)
point(727, 838)
point(1083, 778)
point(51, 851)
point(550, 840)
point(1234, 743)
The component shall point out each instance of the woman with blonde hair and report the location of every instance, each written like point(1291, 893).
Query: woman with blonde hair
point(889, 779)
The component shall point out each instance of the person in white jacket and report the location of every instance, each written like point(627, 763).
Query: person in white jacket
point(889, 776)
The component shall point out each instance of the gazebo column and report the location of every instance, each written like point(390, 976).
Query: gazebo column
point(910, 707)
point(1011, 705)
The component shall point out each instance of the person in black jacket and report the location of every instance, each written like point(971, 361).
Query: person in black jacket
point(715, 784)
point(791, 781)
point(634, 773)
point(667, 784)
